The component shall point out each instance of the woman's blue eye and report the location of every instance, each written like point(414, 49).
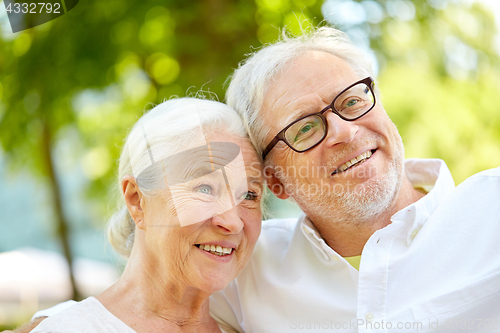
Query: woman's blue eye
point(205, 189)
point(250, 196)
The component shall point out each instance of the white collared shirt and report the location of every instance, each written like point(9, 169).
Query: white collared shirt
point(435, 268)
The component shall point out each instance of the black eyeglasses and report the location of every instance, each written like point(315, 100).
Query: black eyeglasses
point(308, 131)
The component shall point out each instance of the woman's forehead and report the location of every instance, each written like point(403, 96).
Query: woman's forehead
point(247, 150)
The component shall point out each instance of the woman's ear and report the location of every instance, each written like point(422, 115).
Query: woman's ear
point(274, 184)
point(134, 200)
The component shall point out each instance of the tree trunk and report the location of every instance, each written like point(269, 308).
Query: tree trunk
point(63, 229)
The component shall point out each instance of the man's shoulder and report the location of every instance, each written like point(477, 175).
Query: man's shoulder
point(482, 188)
point(491, 173)
point(474, 201)
point(485, 183)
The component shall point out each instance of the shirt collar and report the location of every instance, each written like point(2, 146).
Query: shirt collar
point(432, 174)
point(313, 236)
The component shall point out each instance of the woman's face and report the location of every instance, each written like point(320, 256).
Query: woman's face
point(201, 231)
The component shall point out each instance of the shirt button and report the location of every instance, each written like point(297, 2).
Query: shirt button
point(369, 316)
point(414, 233)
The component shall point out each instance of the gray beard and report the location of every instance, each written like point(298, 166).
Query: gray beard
point(357, 205)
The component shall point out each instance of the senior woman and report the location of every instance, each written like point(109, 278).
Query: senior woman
point(191, 185)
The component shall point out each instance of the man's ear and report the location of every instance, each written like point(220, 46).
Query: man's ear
point(274, 184)
point(134, 200)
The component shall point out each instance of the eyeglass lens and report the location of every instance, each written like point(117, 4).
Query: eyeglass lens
point(351, 104)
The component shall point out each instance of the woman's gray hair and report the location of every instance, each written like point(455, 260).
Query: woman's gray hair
point(249, 83)
point(170, 127)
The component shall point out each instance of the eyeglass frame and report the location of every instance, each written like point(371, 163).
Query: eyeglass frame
point(370, 83)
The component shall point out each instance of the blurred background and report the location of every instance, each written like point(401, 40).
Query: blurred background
point(71, 88)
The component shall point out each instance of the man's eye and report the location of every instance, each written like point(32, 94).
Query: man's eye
point(352, 102)
point(305, 129)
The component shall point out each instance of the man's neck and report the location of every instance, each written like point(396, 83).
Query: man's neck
point(348, 236)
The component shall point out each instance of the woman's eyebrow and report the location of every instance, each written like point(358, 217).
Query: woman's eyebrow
point(255, 180)
point(204, 171)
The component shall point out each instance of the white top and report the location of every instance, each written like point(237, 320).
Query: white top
point(53, 310)
point(87, 316)
point(435, 268)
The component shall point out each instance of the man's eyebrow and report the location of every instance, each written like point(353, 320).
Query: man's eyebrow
point(299, 114)
point(307, 110)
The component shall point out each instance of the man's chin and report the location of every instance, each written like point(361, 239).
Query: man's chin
point(359, 202)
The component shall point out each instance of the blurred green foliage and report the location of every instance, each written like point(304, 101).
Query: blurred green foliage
point(97, 68)
point(439, 76)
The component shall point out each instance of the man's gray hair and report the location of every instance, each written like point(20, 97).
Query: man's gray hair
point(249, 83)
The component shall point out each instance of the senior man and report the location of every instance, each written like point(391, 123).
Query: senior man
point(384, 245)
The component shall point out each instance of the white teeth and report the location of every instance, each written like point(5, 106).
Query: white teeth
point(355, 160)
point(218, 250)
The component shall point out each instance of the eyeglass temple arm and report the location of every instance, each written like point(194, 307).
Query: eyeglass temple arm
point(270, 146)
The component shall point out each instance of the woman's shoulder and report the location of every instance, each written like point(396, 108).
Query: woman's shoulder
point(87, 316)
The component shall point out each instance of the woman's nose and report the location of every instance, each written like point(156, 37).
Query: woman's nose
point(228, 222)
point(339, 130)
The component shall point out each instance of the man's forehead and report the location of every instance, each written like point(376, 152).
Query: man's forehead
point(307, 84)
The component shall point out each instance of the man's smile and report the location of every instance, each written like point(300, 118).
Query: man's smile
point(354, 161)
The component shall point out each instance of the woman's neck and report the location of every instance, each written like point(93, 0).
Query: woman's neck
point(147, 301)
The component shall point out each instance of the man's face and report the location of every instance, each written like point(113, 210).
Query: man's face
point(315, 178)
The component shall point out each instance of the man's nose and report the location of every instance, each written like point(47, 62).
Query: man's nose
point(339, 130)
point(228, 222)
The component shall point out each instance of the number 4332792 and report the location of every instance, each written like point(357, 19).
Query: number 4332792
point(34, 8)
